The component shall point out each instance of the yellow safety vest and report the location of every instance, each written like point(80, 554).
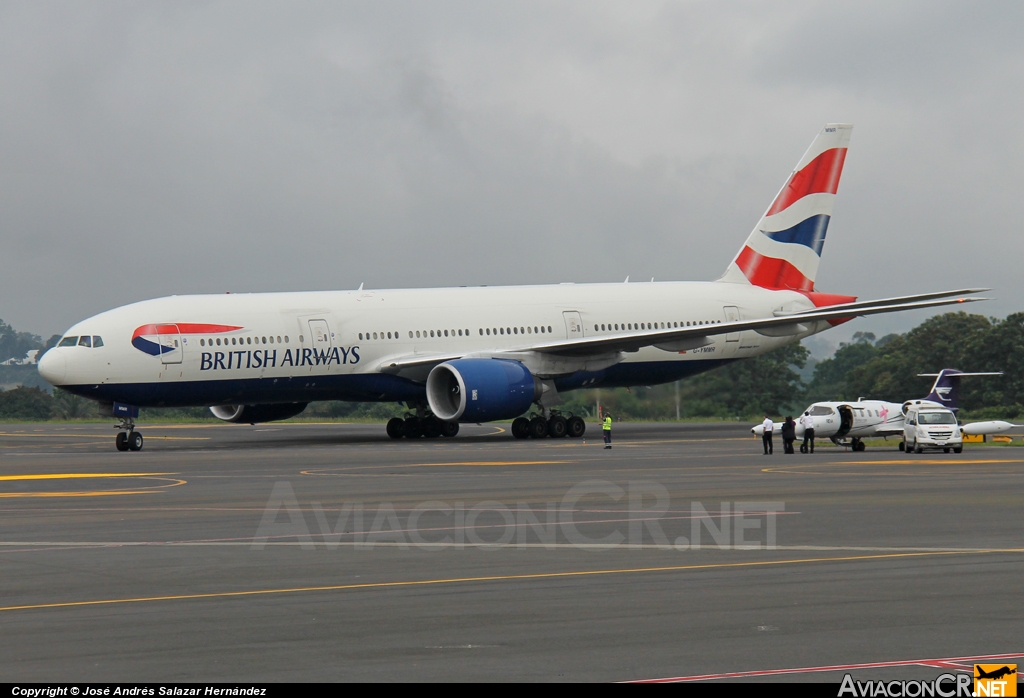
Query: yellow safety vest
point(607, 424)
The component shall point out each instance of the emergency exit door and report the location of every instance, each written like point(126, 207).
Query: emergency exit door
point(573, 325)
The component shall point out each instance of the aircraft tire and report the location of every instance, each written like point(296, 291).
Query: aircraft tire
point(538, 428)
point(135, 441)
point(803, 448)
point(396, 427)
point(449, 429)
point(432, 427)
point(121, 442)
point(412, 428)
point(576, 427)
point(557, 427)
point(521, 428)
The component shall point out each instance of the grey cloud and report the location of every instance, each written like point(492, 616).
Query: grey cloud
point(150, 149)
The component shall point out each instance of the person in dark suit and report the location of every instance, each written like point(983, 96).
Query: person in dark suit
point(788, 435)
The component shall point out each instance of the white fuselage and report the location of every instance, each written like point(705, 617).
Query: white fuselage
point(855, 419)
point(280, 347)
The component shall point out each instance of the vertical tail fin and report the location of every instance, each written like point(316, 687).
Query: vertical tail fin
point(784, 249)
point(946, 389)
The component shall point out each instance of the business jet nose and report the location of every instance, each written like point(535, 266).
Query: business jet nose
point(53, 367)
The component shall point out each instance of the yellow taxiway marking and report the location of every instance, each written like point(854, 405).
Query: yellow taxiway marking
point(104, 437)
point(808, 468)
point(495, 578)
point(910, 460)
point(74, 476)
point(348, 471)
point(171, 482)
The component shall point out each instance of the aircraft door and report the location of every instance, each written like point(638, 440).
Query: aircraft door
point(573, 325)
point(732, 314)
point(320, 334)
point(732, 339)
point(169, 341)
point(845, 420)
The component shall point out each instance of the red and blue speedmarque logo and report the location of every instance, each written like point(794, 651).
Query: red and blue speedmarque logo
point(160, 339)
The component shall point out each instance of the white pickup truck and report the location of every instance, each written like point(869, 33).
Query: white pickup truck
point(931, 427)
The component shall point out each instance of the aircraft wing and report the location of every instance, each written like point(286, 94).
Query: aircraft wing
point(793, 323)
point(677, 339)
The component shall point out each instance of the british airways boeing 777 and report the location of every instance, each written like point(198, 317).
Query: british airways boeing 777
point(471, 354)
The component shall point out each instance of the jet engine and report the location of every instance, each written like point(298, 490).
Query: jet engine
point(253, 414)
point(481, 390)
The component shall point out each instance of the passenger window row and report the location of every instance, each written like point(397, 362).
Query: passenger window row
point(541, 329)
point(91, 341)
point(235, 341)
point(613, 327)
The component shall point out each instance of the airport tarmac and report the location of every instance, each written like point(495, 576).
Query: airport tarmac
point(328, 552)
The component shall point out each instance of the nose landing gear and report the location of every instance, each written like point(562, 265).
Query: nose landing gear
point(127, 438)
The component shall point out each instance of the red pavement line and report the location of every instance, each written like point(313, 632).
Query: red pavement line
point(935, 663)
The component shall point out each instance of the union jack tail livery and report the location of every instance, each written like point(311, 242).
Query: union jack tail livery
point(783, 251)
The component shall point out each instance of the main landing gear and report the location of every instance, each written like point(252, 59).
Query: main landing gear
point(556, 426)
point(127, 438)
point(413, 427)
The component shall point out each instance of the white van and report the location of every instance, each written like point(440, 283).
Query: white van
point(931, 427)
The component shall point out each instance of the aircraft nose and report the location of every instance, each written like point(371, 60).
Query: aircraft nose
point(53, 367)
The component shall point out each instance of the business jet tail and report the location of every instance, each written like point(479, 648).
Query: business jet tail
point(946, 389)
point(784, 249)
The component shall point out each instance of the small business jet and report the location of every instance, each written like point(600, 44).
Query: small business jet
point(472, 354)
point(848, 422)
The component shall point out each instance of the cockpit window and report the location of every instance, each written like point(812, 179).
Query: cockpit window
point(97, 341)
point(68, 342)
point(936, 418)
point(85, 341)
point(820, 411)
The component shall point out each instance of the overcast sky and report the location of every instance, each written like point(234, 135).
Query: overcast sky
point(149, 149)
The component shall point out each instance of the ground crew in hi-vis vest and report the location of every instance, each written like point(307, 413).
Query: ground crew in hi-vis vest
point(606, 428)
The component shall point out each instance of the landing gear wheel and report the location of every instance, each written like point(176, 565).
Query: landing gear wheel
point(432, 427)
point(576, 427)
point(135, 441)
point(858, 445)
point(449, 429)
point(958, 449)
point(538, 428)
point(396, 427)
point(412, 428)
point(803, 448)
point(556, 427)
point(521, 428)
point(121, 441)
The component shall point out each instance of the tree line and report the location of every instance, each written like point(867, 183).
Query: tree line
point(772, 383)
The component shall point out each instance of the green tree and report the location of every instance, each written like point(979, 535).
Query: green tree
point(14, 345)
point(25, 403)
point(952, 340)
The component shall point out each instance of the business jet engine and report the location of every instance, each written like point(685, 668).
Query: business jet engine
point(481, 390)
point(253, 414)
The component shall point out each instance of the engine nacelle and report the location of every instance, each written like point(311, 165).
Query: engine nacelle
point(481, 390)
point(253, 414)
